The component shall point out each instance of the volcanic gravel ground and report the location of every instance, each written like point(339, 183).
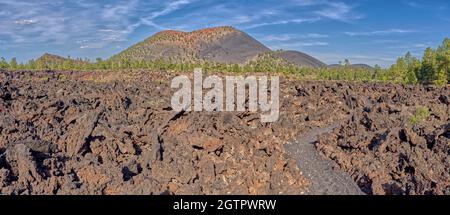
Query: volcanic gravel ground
point(325, 179)
point(115, 133)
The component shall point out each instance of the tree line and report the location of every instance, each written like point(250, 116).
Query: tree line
point(432, 68)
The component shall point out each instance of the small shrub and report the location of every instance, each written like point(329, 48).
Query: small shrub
point(420, 115)
point(43, 79)
point(63, 78)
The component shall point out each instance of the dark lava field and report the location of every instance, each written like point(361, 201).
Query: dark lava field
point(115, 133)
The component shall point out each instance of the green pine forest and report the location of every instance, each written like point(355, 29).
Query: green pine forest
point(432, 68)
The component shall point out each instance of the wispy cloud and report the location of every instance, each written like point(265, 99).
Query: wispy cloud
point(380, 32)
point(307, 2)
point(170, 7)
point(298, 45)
point(435, 6)
point(318, 43)
point(288, 37)
point(117, 11)
point(280, 37)
point(25, 22)
point(414, 47)
point(94, 23)
point(314, 36)
point(338, 11)
point(421, 45)
point(325, 9)
point(413, 4)
point(283, 22)
point(57, 22)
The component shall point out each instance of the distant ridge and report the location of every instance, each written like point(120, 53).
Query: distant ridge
point(47, 58)
point(353, 66)
point(300, 59)
point(51, 61)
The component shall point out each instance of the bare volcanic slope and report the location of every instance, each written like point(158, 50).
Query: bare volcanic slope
point(220, 44)
point(299, 59)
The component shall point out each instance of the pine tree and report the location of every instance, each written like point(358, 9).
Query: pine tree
point(428, 66)
point(13, 63)
point(347, 63)
point(377, 72)
point(440, 78)
point(31, 64)
point(3, 63)
point(410, 77)
point(443, 58)
point(412, 68)
point(398, 71)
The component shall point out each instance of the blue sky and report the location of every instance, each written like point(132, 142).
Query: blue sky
point(364, 31)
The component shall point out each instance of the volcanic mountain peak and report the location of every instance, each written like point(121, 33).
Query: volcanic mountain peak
point(191, 39)
point(204, 31)
point(220, 44)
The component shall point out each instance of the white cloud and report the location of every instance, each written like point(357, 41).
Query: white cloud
point(65, 22)
point(314, 36)
point(306, 2)
point(296, 45)
point(319, 43)
point(169, 8)
point(281, 37)
point(25, 22)
point(335, 10)
point(288, 37)
point(413, 4)
point(92, 46)
point(421, 45)
point(405, 46)
point(380, 32)
point(172, 6)
point(338, 11)
point(118, 11)
point(283, 22)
